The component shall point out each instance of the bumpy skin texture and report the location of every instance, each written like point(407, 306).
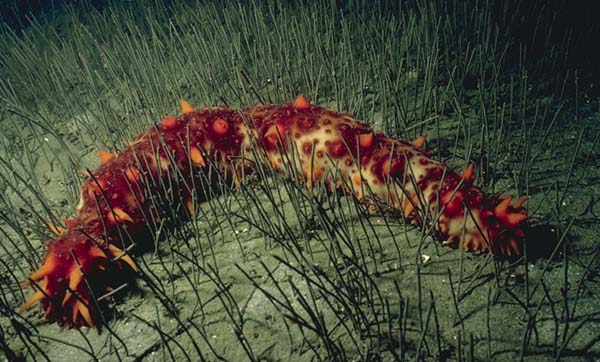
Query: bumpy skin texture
point(125, 199)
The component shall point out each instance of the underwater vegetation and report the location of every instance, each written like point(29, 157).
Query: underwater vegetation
point(158, 179)
point(258, 266)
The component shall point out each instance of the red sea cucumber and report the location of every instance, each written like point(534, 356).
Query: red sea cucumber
point(127, 192)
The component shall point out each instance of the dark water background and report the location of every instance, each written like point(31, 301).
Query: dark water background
point(571, 27)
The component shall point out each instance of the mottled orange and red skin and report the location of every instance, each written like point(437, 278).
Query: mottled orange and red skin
point(328, 147)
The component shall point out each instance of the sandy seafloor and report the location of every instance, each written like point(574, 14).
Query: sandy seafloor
point(250, 264)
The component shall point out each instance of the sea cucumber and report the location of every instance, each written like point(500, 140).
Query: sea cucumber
point(178, 158)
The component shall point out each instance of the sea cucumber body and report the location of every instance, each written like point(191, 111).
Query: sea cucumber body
point(159, 175)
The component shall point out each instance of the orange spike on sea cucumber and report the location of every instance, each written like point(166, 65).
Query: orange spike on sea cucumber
point(84, 311)
point(301, 102)
point(48, 266)
point(517, 204)
point(117, 214)
point(190, 207)
point(513, 246)
point(502, 208)
point(132, 174)
point(57, 230)
point(75, 311)
point(39, 295)
point(96, 252)
point(169, 122)
point(36, 297)
point(105, 156)
point(133, 143)
point(514, 218)
point(196, 156)
point(366, 140)
point(408, 206)
point(419, 141)
point(95, 188)
point(120, 254)
point(186, 107)
point(467, 174)
point(75, 277)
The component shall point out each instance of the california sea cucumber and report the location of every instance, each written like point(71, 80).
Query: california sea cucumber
point(163, 167)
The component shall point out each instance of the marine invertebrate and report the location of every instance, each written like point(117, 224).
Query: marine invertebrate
point(172, 162)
